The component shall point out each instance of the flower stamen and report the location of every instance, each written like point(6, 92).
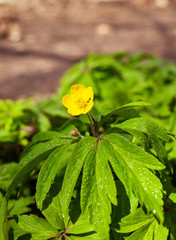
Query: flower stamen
point(81, 102)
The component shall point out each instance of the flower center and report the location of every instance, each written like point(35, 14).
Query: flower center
point(81, 102)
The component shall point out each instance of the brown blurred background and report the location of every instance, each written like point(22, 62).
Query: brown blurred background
point(41, 39)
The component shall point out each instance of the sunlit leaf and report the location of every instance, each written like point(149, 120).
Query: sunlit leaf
point(130, 164)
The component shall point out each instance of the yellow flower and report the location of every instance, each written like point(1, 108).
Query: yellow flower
point(80, 101)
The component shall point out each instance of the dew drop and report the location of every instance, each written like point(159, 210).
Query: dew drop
point(154, 211)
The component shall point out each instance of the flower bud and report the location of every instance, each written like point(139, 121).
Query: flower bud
point(74, 133)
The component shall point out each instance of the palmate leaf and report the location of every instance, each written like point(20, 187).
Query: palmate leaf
point(20, 206)
point(142, 226)
point(80, 153)
point(104, 175)
point(133, 221)
point(160, 232)
point(100, 210)
point(153, 231)
point(98, 189)
point(81, 226)
point(92, 236)
point(82, 229)
point(146, 126)
point(88, 179)
point(155, 133)
point(48, 172)
point(125, 204)
point(52, 212)
point(37, 227)
point(32, 158)
point(130, 164)
point(97, 170)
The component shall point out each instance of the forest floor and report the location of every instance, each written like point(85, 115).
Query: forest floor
point(40, 41)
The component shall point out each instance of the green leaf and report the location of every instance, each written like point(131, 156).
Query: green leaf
point(52, 212)
point(3, 219)
point(118, 236)
point(69, 125)
point(38, 227)
point(159, 149)
point(92, 236)
point(122, 110)
point(172, 197)
point(160, 232)
point(100, 211)
point(134, 221)
point(155, 133)
point(151, 231)
point(31, 159)
point(48, 172)
point(123, 207)
point(81, 226)
point(72, 172)
point(97, 164)
point(170, 215)
point(88, 179)
point(131, 151)
point(139, 234)
point(130, 164)
point(20, 206)
point(98, 189)
point(7, 170)
point(1, 196)
point(45, 136)
point(43, 122)
point(146, 126)
point(104, 177)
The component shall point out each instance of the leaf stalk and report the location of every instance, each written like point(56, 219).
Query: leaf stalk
point(92, 126)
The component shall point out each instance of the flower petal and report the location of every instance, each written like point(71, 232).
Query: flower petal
point(67, 100)
point(78, 89)
point(74, 110)
point(88, 108)
point(88, 94)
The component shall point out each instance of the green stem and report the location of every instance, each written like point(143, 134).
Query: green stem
point(91, 124)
